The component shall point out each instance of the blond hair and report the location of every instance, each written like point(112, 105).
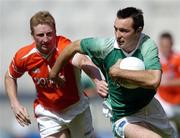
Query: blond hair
point(42, 17)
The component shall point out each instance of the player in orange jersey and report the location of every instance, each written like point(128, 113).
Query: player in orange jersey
point(61, 109)
point(169, 90)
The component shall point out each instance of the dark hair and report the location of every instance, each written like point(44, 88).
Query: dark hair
point(136, 14)
point(42, 17)
point(167, 35)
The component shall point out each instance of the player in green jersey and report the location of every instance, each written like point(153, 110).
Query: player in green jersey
point(135, 112)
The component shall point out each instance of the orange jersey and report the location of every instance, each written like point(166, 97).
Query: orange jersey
point(171, 65)
point(49, 94)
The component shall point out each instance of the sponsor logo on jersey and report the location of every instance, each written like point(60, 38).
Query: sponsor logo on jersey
point(45, 83)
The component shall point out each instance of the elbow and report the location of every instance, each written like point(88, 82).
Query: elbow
point(154, 83)
point(113, 72)
point(154, 79)
point(157, 80)
point(151, 85)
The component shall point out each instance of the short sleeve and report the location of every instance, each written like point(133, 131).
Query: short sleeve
point(150, 55)
point(97, 47)
point(16, 67)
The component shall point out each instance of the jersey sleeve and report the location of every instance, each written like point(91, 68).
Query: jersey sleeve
point(17, 66)
point(97, 48)
point(150, 55)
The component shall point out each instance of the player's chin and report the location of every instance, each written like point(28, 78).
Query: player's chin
point(45, 50)
point(121, 45)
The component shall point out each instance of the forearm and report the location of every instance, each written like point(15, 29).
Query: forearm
point(11, 89)
point(101, 85)
point(146, 79)
point(64, 57)
point(92, 71)
point(20, 112)
point(83, 62)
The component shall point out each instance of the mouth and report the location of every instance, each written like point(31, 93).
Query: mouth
point(44, 45)
point(120, 42)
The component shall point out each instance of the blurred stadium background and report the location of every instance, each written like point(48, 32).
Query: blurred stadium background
point(75, 19)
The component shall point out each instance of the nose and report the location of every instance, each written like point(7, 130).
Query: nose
point(118, 34)
point(45, 38)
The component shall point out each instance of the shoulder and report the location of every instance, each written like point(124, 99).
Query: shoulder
point(26, 51)
point(100, 42)
point(62, 40)
point(147, 44)
point(175, 57)
point(98, 46)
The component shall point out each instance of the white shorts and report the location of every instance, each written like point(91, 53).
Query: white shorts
point(76, 118)
point(152, 116)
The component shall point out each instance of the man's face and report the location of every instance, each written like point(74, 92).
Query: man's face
point(125, 34)
point(165, 46)
point(45, 38)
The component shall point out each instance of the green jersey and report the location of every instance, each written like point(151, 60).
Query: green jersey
point(105, 52)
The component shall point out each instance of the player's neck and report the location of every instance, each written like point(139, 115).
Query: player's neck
point(48, 55)
point(133, 45)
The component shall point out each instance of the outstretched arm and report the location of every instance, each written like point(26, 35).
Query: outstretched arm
point(65, 56)
point(20, 112)
point(83, 62)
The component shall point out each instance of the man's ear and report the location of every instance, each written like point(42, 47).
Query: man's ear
point(139, 29)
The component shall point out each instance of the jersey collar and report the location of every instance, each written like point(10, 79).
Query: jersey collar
point(46, 56)
point(131, 53)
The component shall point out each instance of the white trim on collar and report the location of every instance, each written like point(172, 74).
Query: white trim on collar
point(116, 45)
point(46, 56)
point(131, 53)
